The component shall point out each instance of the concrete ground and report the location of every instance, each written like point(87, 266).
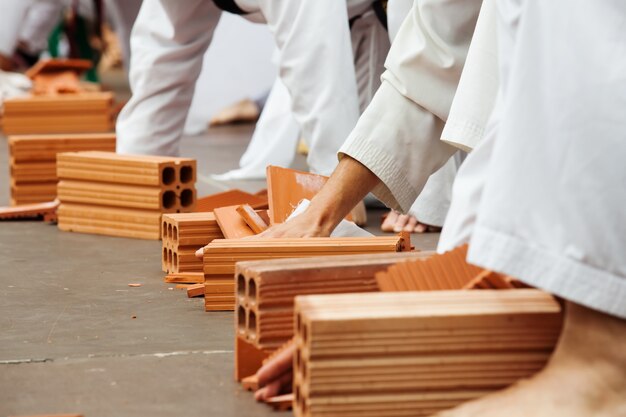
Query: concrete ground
point(74, 338)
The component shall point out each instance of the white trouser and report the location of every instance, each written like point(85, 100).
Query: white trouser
point(274, 140)
point(42, 16)
point(12, 13)
point(549, 181)
point(168, 42)
point(276, 134)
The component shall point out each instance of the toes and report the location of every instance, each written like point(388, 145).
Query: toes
point(389, 221)
point(410, 225)
point(402, 221)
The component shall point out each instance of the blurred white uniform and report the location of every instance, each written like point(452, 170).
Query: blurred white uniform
point(316, 66)
point(31, 21)
point(277, 132)
point(550, 178)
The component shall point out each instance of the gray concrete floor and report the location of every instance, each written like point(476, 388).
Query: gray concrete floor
point(75, 338)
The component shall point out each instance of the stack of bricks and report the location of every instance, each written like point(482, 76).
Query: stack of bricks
point(416, 353)
point(64, 113)
point(221, 255)
point(122, 195)
point(183, 234)
point(33, 162)
point(266, 289)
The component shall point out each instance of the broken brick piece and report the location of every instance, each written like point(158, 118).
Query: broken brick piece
point(231, 223)
point(195, 290)
point(45, 211)
point(230, 198)
point(250, 383)
point(252, 218)
point(281, 402)
point(185, 278)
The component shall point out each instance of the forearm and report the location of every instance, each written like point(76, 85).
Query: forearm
point(348, 185)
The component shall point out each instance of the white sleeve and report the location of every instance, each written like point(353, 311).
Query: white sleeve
point(398, 136)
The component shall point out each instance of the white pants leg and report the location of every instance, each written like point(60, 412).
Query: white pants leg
point(168, 42)
point(41, 18)
point(370, 45)
point(12, 13)
point(317, 68)
point(552, 207)
point(276, 134)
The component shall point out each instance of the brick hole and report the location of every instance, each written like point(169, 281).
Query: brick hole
point(168, 176)
point(168, 200)
point(241, 287)
point(252, 324)
point(241, 320)
point(186, 198)
point(186, 174)
point(305, 333)
point(252, 291)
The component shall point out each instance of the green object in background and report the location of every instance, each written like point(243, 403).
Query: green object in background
point(84, 49)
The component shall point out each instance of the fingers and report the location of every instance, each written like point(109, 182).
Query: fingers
point(277, 366)
point(276, 387)
point(421, 228)
point(200, 253)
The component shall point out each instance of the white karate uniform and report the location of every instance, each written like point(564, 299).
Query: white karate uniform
point(277, 132)
point(465, 127)
point(170, 37)
point(398, 135)
point(549, 201)
point(274, 140)
point(12, 13)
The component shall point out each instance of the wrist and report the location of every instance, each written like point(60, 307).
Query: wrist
point(324, 216)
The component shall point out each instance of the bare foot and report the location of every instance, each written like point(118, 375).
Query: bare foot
point(586, 375)
point(396, 223)
point(244, 111)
